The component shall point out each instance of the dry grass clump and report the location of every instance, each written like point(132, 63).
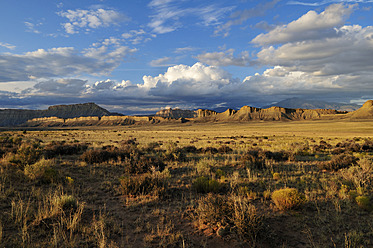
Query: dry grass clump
point(233, 214)
point(61, 148)
point(28, 154)
point(364, 202)
point(287, 198)
point(42, 171)
point(155, 183)
point(338, 162)
point(206, 185)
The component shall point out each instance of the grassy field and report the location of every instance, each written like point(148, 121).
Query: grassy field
point(258, 184)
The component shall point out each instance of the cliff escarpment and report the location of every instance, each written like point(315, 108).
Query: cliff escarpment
point(15, 117)
point(90, 114)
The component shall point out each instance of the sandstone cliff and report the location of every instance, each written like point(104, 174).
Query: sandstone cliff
point(103, 118)
point(176, 113)
point(14, 117)
point(365, 112)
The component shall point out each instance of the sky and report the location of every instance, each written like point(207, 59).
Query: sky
point(137, 57)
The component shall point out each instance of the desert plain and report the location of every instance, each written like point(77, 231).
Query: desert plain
point(244, 184)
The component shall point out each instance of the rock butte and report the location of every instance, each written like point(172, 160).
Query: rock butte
point(90, 114)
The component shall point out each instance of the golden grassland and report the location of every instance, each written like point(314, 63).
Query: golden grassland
point(255, 184)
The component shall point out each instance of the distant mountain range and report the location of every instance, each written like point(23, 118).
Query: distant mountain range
point(90, 114)
point(314, 104)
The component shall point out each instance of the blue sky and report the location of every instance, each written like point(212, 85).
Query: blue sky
point(136, 57)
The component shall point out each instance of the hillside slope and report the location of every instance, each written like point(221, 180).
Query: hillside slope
point(365, 112)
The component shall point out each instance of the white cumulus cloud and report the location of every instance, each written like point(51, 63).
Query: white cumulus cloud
point(90, 19)
point(311, 26)
point(61, 62)
point(225, 58)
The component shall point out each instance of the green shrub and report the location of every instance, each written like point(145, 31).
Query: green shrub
point(42, 171)
point(67, 202)
point(174, 153)
point(363, 202)
point(203, 167)
point(29, 153)
point(205, 185)
point(276, 176)
point(220, 173)
point(288, 198)
point(253, 159)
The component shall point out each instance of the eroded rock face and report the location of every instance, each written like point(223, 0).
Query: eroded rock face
point(81, 115)
point(365, 112)
point(176, 113)
point(14, 117)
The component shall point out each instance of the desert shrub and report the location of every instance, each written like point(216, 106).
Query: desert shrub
point(42, 171)
point(9, 144)
point(55, 206)
point(210, 150)
point(67, 202)
point(205, 185)
point(131, 142)
point(145, 184)
point(253, 159)
point(338, 162)
point(60, 148)
point(203, 167)
point(323, 145)
point(190, 149)
point(137, 164)
point(245, 191)
point(366, 164)
point(337, 151)
point(234, 212)
point(300, 148)
point(245, 218)
point(219, 173)
point(287, 198)
point(367, 146)
point(276, 176)
point(96, 156)
point(153, 147)
point(174, 153)
point(213, 210)
point(363, 202)
point(360, 176)
point(224, 149)
point(28, 153)
point(276, 156)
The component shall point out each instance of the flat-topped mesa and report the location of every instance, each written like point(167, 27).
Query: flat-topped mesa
point(246, 113)
point(176, 113)
point(77, 110)
point(14, 117)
